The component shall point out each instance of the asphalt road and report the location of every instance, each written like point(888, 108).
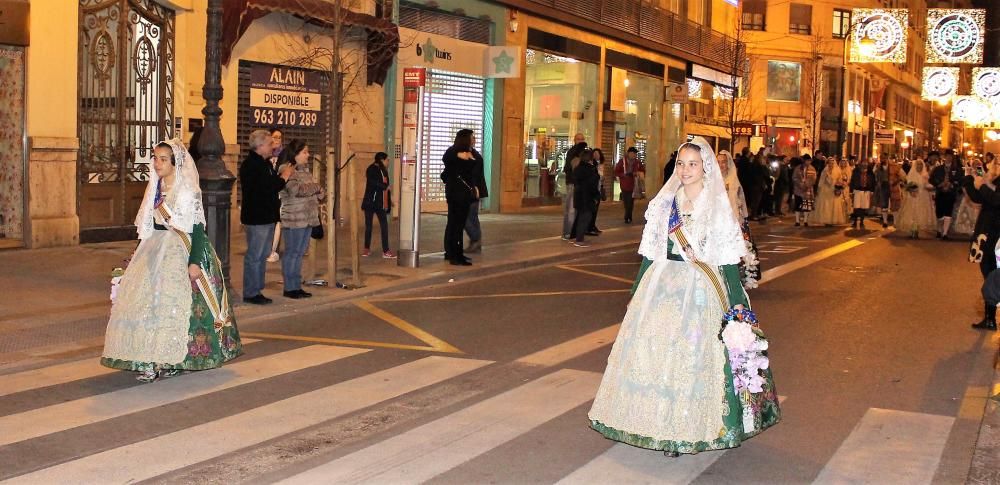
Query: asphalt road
point(489, 381)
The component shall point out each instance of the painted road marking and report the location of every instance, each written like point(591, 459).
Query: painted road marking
point(594, 273)
point(777, 272)
point(59, 374)
point(94, 409)
point(498, 295)
point(571, 349)
point(434, 344)
point(132, 463)
point(889, 446)
point(436, 447)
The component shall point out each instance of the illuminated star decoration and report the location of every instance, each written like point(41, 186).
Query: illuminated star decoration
point(887, 28)
point(503, 62)
point(940, 83)
point(973, 110)
point(694, 88)
point(986, 82)
point(955, 35)
point(429, 51)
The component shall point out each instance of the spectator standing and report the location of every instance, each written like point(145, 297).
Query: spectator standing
point(261, 183)
point(586, 196)
point(472, 226)
point(461, 190)
point(571, 161)
point(782, 182)
point(627, 169)
point(668, 170)
point(278, 143)
point(299, 213)
point(377, 202)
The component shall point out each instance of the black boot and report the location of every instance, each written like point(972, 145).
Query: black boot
point(989, 319)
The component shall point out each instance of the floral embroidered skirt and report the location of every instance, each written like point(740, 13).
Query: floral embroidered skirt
point(668, 385)
point(160, 319)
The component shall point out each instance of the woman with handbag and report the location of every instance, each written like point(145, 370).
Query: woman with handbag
point(299, 213)
point(171, 310)
point(461, 190)
point(377, 202)
point(671, 383)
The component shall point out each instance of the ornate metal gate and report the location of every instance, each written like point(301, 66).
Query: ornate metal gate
point(126, 71)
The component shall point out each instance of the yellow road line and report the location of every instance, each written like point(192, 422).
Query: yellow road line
point(438, 344)
point(594, 273)
point(499, 295)
point(336, 341)
point(584, 265)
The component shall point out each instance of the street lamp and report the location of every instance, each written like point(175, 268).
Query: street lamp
point(866, 48)
point(216, 180)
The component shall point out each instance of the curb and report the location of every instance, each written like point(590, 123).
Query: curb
point(985, 467)
point(426, 281)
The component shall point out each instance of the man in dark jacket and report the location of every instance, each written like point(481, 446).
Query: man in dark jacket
point(782, 184)
point(572, 159)
point(987, 232)
point(668, 171)
point(259, 212)
point(586, 194)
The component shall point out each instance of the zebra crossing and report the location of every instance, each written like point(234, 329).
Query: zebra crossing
point(885, 447)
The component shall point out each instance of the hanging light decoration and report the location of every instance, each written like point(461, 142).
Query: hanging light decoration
point(886, 27)
point(986, 82)
point(973, 110)
point(722, 92)
point(940, 83)
point(955, 35)
point(694, 88)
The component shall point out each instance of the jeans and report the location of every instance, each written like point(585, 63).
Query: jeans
point(259, 240)
point(472, 227)
point(383, 225)
point(629, 204)
point(583, 219)
point(296, 243)
point(569, 212)
point(458, 213)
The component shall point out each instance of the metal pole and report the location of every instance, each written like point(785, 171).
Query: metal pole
point(352, 197)
point(333, 160)
point(216, 180)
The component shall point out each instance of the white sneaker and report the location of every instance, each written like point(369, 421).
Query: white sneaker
point(581, 244)
point(273, 258)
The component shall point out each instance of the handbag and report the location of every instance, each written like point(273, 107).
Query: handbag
point(473, 191)
point(317, 230)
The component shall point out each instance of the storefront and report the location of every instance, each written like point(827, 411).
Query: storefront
point(456, 95)
point(610, 93)
point(12, 146)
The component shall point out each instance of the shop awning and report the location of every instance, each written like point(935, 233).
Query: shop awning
point(383, 35)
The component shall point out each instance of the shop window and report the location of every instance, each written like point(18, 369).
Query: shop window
point(841, 23)
point(754, 14)
point(800, 19)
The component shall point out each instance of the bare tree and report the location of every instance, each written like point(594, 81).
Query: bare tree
point(741, 67)
point(814, 83)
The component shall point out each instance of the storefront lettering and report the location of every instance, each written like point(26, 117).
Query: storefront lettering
point(430, 52)
point(288, 76)
point(286, 99)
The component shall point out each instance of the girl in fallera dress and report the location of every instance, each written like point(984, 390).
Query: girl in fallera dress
point(171, 311)
point(830, 196)
point(668, 384)
point(917, 212)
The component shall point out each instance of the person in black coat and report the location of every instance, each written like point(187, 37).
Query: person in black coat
point(987, 231)
point(259, 212)
point(461, 189)
point(668, 170)
point(586, 194)
point(472, 226)
point(377, 202)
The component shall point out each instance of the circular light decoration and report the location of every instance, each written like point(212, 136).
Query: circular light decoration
point(986, 82)
point(694, 88)
point(955, 35)
point(940, 83)
point(970, 109)
point(887, 28)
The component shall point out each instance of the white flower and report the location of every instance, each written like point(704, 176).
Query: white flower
point(738, 336)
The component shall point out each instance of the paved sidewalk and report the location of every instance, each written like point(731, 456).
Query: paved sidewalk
point(54, 302)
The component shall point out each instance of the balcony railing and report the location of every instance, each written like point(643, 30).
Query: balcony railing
point(648, 22)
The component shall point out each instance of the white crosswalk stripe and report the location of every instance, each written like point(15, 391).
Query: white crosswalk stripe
point(434, 448)
point(229, 434)
point(80, 412)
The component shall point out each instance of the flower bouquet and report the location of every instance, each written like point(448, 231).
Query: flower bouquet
point(912, 188)
point(838, 190)
point(749, 363)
